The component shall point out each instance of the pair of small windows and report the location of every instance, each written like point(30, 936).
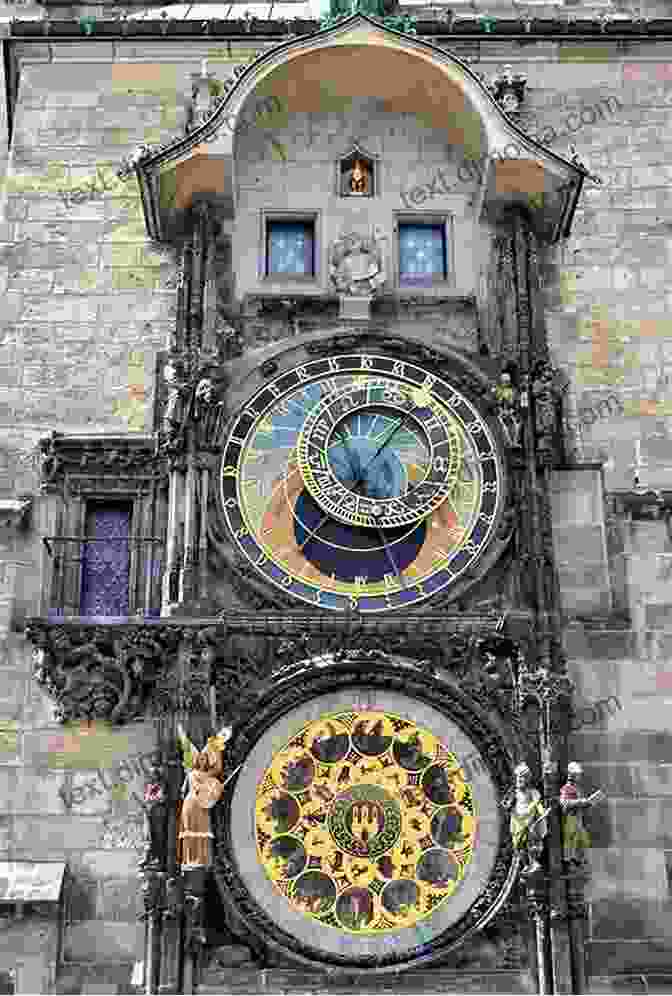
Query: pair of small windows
point(423, 255)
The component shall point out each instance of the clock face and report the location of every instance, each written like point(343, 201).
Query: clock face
point(360, 482)
point(365, 821)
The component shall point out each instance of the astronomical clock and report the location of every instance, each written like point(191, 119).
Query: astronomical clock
point(364, 827)
point(361, 482)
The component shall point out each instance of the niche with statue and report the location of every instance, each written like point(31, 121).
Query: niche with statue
point(356, 174)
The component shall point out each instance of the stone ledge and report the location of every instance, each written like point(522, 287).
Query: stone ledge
point(625, 957)
point(618, 984)
point(427, 983)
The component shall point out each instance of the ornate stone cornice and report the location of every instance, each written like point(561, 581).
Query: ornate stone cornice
point(445, 25)
point(79, 457)
point(116, 672)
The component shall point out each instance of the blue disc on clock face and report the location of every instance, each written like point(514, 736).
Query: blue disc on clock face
point(361, 482)
point(382, 474)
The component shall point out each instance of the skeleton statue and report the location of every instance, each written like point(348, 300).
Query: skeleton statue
point(528, 822)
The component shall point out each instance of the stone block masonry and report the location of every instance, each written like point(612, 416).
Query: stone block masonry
point(87, 303)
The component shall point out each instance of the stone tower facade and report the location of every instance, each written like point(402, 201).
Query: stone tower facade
point(333, 472)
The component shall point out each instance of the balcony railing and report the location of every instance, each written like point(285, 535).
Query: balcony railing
point(107, 580)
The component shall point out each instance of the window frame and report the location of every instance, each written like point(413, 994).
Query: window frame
point(313, 218)
point(89, 504)
point(430, 219)
point(63, 590)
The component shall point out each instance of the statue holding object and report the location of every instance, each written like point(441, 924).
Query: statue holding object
point(528, 823)
point(201, 790)
point(575, 837)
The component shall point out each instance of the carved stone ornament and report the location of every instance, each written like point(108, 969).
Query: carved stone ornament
point(357, 264)
point(547, 388)
point(152, 889)
point(94, 672)
point(120, 672)
point(508, 89)
point(81, 457)
point(543, 687)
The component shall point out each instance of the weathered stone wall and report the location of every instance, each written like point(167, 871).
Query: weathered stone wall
point(417, 169)
point(86, 302)
point(608, 316)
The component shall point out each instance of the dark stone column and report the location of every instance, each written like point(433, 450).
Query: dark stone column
point(172, 912)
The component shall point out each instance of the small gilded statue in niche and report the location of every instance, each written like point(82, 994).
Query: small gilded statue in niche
point(201, 790)
point(356, 179)
point(528, 823)
point(573, 803)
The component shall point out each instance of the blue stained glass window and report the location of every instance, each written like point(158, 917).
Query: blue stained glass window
point(290, 248)
point(105, 563)
point(422, 253)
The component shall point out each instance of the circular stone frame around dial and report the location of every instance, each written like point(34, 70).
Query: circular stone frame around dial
point(325, 943)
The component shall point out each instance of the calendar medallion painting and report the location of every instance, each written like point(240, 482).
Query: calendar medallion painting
point(361, 482)
point(365, 821)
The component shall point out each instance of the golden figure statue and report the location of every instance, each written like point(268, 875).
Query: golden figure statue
point(528, 822)
point(201, 790)
point(358, 179)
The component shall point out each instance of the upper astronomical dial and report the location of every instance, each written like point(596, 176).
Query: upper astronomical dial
point(360, 482)
point(379, 453)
